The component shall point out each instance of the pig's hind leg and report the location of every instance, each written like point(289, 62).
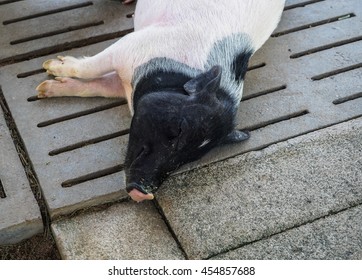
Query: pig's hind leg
point(109, 85)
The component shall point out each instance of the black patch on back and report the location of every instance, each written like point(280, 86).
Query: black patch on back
point(240, 65)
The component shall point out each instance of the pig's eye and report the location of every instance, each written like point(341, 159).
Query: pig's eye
point(180, 140)
point(174, 132)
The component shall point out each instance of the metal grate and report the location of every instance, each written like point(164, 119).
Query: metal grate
point(305, 78)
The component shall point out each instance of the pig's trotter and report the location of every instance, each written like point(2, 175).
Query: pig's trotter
point(63, 66)
point(47, 88)
point(107, 86)
point(58, 87)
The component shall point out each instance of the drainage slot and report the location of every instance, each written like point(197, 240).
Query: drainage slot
point(314, 24)
point(2, 190)
point(347, 98)
point(9, 2)
point(30, 73)
point(257, 66)
point(56, 32)
point(88, 142)
point(264, 92)
point(277, 120)
point(302, 4)
point(50, 12)
point(33, 98)
point(326, 47)
point(92, 176)
point(336, 72)
point(83, 113)
point(63, 47)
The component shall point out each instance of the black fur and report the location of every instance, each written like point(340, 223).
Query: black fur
point(175, 124)
point(240, 65)
point(180, 113)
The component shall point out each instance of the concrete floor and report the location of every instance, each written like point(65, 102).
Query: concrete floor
point(294, 190)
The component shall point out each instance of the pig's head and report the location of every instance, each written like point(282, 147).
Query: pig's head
point(172, 127)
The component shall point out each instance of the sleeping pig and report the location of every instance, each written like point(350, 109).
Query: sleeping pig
point(182, 72)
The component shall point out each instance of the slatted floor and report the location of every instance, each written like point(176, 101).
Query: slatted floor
point(306, 77)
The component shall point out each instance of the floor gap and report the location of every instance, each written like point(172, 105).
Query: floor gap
point(276, 120)
point(336, 72)
point(92, 176)
point(169, 227)
point(88, 142)
point(63, 47)
point(2, 190)
point(302, 4)
point(262, 238)
point(57, 32)
point(26, 162)
point(49, 12)
point(313, 24)
point(82, 113)
point(263, 92)
point(326, 47)
point(347, 98)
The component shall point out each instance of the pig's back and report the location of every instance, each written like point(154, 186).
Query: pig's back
point(213, 18)
point(188, 36)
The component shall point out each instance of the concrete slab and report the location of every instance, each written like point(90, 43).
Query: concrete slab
point(333, 237)
point(78, 146)
point(124, 231)
point(256, 195)
point(20, 216)
point(60, 140)
point(38, 27)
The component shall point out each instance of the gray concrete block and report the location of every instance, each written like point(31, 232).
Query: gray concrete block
point(124, 231)
point(334, 237)
point(53, 170)
point(258, 194)
point(20, 216)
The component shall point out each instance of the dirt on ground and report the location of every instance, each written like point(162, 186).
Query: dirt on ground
point(39, 247)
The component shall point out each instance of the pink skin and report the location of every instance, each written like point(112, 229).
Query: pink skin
point(137, 196)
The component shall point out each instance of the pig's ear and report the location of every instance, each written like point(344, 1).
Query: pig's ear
point(205, 82)
point(236, 136)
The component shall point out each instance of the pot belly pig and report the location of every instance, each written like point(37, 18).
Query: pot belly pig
point(181, 71)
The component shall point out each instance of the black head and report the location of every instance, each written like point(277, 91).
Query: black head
point(174, 127)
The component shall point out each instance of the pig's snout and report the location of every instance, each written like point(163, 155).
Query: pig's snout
point(138, 193)
point(127, 1)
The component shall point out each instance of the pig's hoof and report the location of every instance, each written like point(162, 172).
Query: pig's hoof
point(44, 89)
point(63, 66)
point(50, 88)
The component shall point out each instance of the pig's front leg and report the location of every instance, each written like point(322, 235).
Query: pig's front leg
point(107, 86)
point(84, 68)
